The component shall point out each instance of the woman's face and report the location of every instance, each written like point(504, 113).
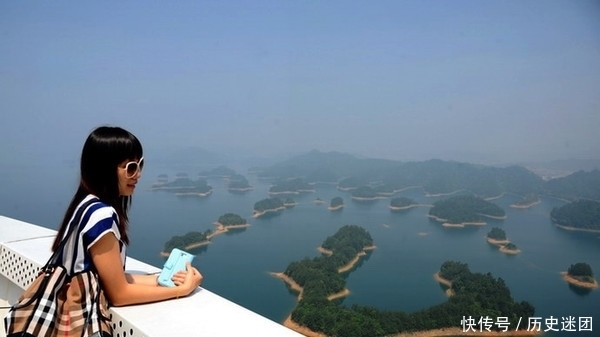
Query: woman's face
point(129, 171)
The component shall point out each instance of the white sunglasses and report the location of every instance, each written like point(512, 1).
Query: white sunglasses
point(133, 167)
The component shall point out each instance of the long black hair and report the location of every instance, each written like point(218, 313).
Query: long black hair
point(105, 148)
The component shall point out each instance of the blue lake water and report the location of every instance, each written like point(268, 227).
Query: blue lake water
point(395, 276)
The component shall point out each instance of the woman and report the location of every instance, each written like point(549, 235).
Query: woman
point(111, 164)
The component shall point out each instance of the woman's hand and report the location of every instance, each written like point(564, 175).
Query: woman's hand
point(188, 280)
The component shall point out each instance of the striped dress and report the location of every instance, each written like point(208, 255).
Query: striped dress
point(97, 220)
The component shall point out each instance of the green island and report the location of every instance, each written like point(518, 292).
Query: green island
point(510, 248)
point(218, 172)
point(268, 205)
point(435, 178)
point(462, 210)
point(527, 201)
point(186, 242)
point(581, 215)
point(319, 283)
point(291, 186)
point(351, 183)
point(580, 275)
point(231, 220)
point(365, 193)
point(576, 186)
point(402, 203)
point(289, 202)
point(183, 186)
point(238, 183)
point(497, 236)
point(336, 204)
point(318, 201)
point(192, 240)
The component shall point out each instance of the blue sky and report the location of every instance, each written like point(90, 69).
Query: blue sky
point(479, 81)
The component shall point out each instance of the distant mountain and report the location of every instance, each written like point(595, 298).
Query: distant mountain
point(330, 166)
point(434, 176)
point(569, 165)
point(582, 214)
point(578, 185)
point(188, 158)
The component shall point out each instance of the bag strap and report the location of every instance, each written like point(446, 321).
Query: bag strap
point(73, 225)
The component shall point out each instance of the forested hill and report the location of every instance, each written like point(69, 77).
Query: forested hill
point(582, 214)
point(434, 176)
point(585, 185)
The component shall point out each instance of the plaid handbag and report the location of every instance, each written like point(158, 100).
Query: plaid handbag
point(57, 304)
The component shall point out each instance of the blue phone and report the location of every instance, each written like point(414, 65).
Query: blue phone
point(176, 262)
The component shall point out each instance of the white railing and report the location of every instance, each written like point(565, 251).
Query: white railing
point(24, 248)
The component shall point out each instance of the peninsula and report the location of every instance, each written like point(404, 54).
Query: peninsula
point(291, 186)
point(320, 278)
point(227, 222)
point(192, 240)
point(528, 201)
point(403, 203)
point(186, 242)
point(268, 205)
point(463, 210)
point(581, 215)
point(183, 186)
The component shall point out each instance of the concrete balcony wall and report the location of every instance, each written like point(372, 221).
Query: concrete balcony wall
point(25, 248)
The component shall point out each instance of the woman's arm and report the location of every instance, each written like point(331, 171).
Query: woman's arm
point(146, 279)
point(107, 260)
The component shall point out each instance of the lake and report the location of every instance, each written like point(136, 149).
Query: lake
point(395, 276)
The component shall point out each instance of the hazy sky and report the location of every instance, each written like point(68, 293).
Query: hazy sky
point(485, 81)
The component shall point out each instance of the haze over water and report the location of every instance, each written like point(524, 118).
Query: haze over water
point(249, 83)
point(395, 276)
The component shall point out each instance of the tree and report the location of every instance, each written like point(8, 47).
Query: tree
point(580, 269)
point(497, 234)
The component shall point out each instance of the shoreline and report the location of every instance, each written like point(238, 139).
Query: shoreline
point(288, 322)
point(441, 332)
point(524, 206)
point(493, 216)
point(188, 247)
point(258, 214)
point(494, 198)
point(240, 189)
point(193, 194)
point(224, 229)
point(502, 246)
point(505, 250)
point(569, 228)
point(445, 222)
point(463, 224)
point(292, 192)
point(400, 208)
point(220, 230)
point(449, 292)
point(427, 194)
point(368, 199)
point(291, 324)
point(352, 262)
point(335, 208)
point(571, 280)
point(393, 192)
point(495, 242)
